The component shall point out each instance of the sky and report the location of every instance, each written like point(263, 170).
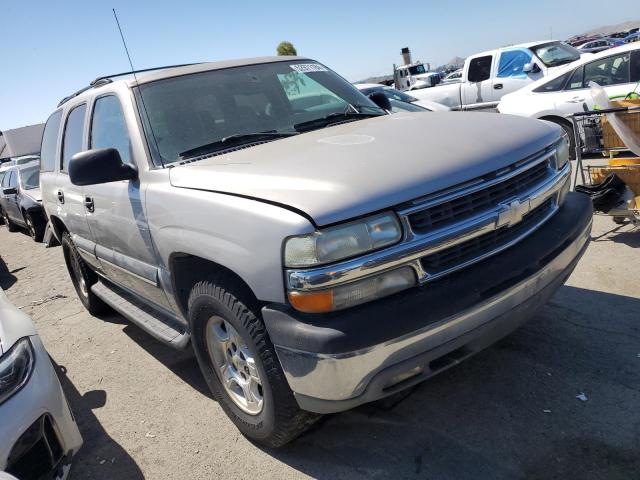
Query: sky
point(51, 48)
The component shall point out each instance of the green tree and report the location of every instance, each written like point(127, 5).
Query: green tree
point(286, 48)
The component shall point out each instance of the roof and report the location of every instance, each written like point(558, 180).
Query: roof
point(519, 45)
point(21, 141)
point(160, 73)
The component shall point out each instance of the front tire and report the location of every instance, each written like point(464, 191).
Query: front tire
point(12, 227)
point(240, 364)
point(82, 277)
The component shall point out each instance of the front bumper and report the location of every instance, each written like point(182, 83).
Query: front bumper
point(338, 361)
point(38, 434)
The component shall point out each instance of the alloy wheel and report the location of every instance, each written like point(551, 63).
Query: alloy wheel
point(236, 365)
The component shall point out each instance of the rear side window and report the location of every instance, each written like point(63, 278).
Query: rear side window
point(72, 139)
point(5, 179)
point(512, 63)
point(575, 82)
point(480, 69)
point(554, 85)
point(49, 142)
point(108, 127)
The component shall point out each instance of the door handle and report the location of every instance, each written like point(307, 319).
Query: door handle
point(576, 100)
point(88, 204)
point(498, 86)
point(60, 196)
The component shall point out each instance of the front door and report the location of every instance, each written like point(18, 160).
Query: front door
point(115, 211)
point(477, 91)
point(10, 180)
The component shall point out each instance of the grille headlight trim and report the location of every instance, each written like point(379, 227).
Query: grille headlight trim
point(343, 241)
point(16, 366)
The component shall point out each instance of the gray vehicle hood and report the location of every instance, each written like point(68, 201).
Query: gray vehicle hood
point(34, 193)
point(344, 171)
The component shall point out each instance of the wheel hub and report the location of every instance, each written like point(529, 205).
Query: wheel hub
point(236, 365)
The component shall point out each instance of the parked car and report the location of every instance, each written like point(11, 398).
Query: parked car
point(316, 258)
point(398, 96)
point(561, 95)
point(38, 433)
point(488, 76)
point(453, 77)
point(633, 37)
point(21, 201)
point(596, 46)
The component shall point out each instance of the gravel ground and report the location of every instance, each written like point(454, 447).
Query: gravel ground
point(510, 412)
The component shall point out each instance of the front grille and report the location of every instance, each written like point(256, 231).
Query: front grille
point(461, 208)
point(476, 247)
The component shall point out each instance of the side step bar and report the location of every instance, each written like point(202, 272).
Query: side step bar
point(156, 324)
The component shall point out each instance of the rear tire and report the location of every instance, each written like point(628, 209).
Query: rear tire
point(82, 277)
point(36, 230)
point(222, 312)
point(12, 227)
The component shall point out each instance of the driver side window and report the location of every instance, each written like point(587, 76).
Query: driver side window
point(612, 70)
point(108, 127)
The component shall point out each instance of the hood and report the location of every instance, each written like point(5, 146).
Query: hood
point(14, 324)
point(340, 172)
point(433, 106)
point(34, 193)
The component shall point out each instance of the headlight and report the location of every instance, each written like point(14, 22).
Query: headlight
point(354, 293)
point(16, 366)
point(562, 152)
point(343, 241)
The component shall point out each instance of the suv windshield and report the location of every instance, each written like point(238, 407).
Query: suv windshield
point(556, 53)
point(221, 109)
point(30, 178)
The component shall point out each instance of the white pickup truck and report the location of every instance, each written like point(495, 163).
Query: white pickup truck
point(487, 76)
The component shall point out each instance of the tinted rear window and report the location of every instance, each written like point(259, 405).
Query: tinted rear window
point(72, 141)
point(49, 142)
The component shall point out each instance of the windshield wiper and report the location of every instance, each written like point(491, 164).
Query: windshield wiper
point(234, 140)
point(352, 112)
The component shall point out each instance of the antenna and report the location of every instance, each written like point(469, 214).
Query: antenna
point(133, 71)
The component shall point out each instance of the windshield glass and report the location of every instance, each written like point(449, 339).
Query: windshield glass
point(417, 69)
point(390, 93)
point(556, 53)
point(202, 109)
point(30, 178)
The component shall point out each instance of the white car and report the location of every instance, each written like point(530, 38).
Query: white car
point(393, 94)
point(564, 93)
point(38, 433)
point(453, 77)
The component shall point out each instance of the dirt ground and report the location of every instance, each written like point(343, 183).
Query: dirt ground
point(510, 412)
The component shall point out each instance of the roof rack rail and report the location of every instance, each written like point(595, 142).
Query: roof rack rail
point(105, 79)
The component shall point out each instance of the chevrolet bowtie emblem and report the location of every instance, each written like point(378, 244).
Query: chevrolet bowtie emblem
point(512, 213)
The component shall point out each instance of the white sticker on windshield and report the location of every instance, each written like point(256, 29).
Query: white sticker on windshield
point(308, 67)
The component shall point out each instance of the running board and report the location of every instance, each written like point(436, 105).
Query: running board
point(156, 324)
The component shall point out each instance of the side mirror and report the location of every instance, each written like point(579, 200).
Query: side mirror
point(531, 67)
point(100, 165)
point(381, 100)
point(10, 191)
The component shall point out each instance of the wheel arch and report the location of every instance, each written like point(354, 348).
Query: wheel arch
point(58, 227)
point(186, 270)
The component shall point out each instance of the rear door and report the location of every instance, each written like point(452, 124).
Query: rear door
point(477, 90)
point(69, 197)
point(49, 155)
